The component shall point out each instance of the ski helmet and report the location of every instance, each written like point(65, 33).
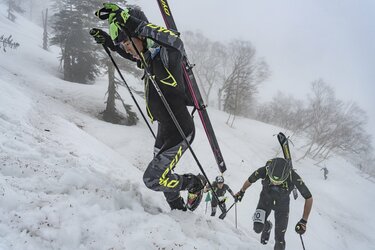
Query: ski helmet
point(220, 179)
point(278, 170)
point(118, 35)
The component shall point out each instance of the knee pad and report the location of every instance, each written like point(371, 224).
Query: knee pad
point(258, 227)
point(147, 182)
point(148, 179)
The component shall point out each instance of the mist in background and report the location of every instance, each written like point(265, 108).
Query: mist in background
point(301, 41)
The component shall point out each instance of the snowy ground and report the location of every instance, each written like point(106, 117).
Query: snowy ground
point(71, 181)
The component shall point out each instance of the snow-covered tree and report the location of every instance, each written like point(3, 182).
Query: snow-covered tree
point(71, 25)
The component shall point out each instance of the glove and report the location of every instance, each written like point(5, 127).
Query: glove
point(239, 196)
point(117, 18)
point(301, 226)
point(101, 37)
point(107, 12)
point(222, 202)
point(113, 13)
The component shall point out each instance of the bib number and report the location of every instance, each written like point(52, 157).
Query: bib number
point(259, 216)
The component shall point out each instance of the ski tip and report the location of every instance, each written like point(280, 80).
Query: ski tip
point(222, 216)
point(222, 167)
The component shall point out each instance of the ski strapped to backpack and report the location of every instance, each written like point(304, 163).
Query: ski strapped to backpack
point(284, 142)
point(194, 92)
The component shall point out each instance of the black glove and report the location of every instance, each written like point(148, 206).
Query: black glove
point(116, 16)
point(222, 202)
point(108, 11)
point(239, 196)
point(101, 37)
point(301, 226)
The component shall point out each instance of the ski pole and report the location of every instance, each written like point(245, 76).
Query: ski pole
point(303, 245)
point(127, 86)
point(235, 212)
point(234, 203)
point(222, 216)
point(170, 112)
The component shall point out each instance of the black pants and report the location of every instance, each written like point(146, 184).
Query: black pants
point(169, 147)
point(214, 204)
point(279, 202)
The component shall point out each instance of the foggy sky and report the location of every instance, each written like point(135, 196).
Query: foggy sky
point(300, 40)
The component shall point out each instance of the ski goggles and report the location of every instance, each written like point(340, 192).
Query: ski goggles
point(276, 182)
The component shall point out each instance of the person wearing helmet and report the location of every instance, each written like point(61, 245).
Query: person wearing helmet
point(325, 172)
point(278, 180)
point(133, 37)
point(220, 189)
point(118, 36)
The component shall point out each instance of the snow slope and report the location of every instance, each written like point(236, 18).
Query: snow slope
point(71, 181)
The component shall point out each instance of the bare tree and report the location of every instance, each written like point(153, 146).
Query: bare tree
point(45, 33)
point(240, 85)
point(331, 126)
point(14, 6)
point(346, 134)
point(322, 109)
point(287, 112)
point(208, 58)
point(334, 126)
point(231, 69)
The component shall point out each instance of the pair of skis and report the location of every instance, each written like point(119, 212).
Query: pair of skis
point(195, 94)
point(284, 142)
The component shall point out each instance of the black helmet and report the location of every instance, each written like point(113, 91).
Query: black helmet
point(278, 170)
point(219, 179)
point(119, 35)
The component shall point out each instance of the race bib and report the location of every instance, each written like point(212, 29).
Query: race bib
point(259, 216)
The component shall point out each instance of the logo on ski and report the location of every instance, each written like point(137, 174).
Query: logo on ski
point(165, 8)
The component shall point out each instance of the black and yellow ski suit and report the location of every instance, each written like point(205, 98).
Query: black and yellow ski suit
point(163, 54)
point(276, 198)
point(220, 192)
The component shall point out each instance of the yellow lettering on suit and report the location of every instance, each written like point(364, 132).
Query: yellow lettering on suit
point(164, 181)
point(161, 29)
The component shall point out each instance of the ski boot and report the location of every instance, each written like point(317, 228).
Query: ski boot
point(195, 188)
point(178, 204)
point(213, 211)
point(265, 236)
